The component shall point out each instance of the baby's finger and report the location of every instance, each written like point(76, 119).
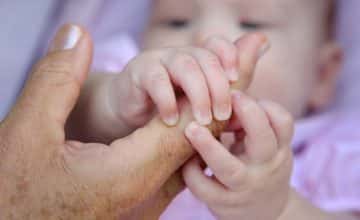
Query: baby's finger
point(227, 139)
point(202, 186)
point(227, 53)
point(159, 87)
point(260, 140)
point(228, 169)
point(250, 48)
point(219, 86)
point(281, 121)
point(187, 73)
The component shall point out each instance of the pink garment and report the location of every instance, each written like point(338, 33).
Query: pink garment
point(326, 147)
point(326, 168)
point(326, 163)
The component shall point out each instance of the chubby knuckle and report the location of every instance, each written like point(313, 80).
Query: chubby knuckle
point(211, 58)
point(157, 78)
point(284, 116)
point(224, 201)
point(235, 176)
point(248, 106)
point(282, 161)
point(209, 198)
point(144, 57)
point(184, 59)
point(145, 69)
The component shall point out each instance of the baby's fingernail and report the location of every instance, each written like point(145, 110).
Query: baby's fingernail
point(263, 49)
point(223, 113)
point(172, 120)
point(203, 117)
point(233, 75)
point(191, 129)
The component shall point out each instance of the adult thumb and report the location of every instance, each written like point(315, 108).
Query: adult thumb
point(55, 82)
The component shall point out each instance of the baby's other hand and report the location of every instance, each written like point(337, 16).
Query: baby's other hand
point(253, 182)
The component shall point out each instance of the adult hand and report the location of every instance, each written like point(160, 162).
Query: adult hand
point(45, 176)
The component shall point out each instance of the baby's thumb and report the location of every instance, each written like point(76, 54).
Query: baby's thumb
point(54, 85)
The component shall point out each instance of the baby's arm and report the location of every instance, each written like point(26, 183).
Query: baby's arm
point(298, 209)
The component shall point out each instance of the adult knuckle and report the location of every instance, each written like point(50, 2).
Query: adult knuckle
point(54, 63)
point(56, 72)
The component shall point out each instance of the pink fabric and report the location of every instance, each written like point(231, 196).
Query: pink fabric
point(326, 168)
point(327, 151)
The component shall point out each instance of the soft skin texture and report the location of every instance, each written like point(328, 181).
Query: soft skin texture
point(113, 106)
point(299, 72)
point(299, 76)
point(47, 176)
point(166, 148)
point(44, 175)
point(251, 182)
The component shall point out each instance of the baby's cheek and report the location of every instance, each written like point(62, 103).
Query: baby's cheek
point(277, 87)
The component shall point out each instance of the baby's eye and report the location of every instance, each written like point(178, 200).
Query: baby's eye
point(248, 25)
point(178, 23)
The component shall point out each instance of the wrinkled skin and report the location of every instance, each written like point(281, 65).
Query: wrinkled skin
point(45, 176)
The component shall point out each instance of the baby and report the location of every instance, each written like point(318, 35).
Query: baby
point(197, 49)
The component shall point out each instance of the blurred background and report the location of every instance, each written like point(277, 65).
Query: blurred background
point(26, 28)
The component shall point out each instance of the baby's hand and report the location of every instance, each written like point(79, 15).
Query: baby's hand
point(151, 81)
point(254, 182)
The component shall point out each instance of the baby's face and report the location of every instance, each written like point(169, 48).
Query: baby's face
point(299, 69)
